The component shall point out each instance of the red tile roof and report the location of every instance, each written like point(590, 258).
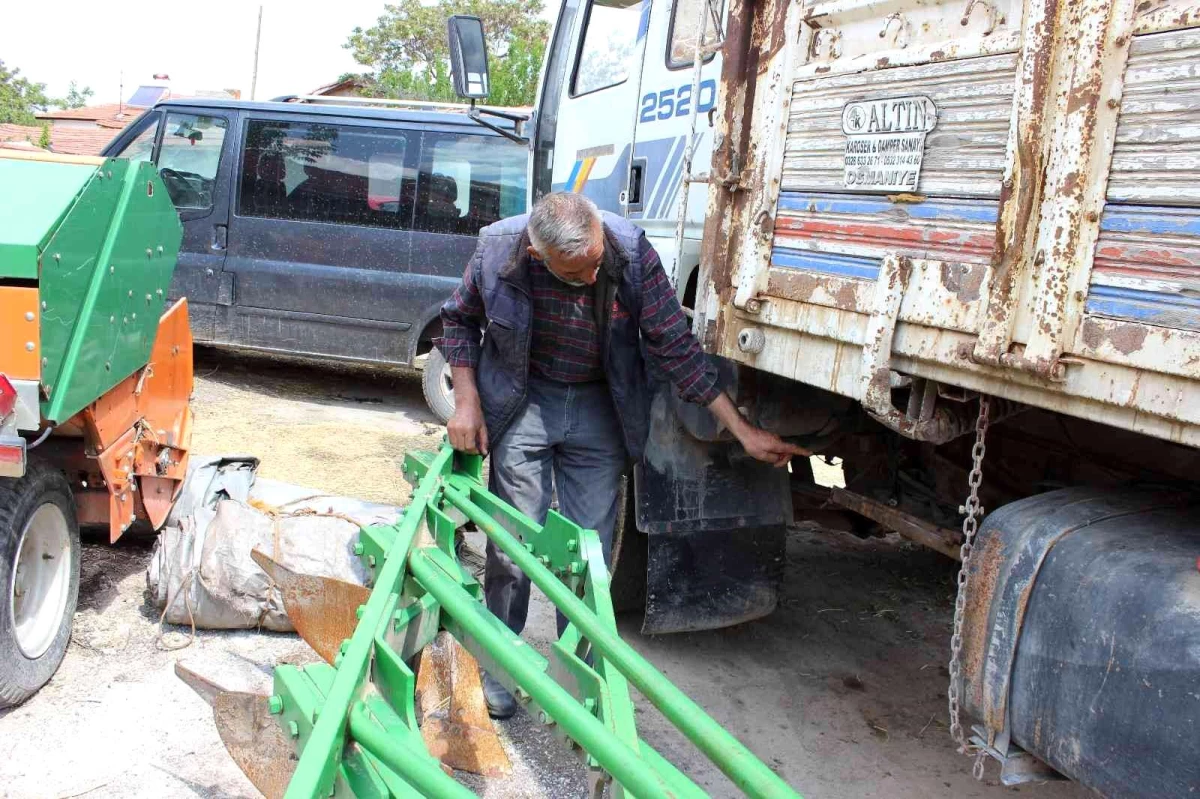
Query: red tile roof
point(92, 113)
point(69, 141)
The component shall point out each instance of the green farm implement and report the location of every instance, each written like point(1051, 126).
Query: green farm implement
point(349, 726)
point(95, 380)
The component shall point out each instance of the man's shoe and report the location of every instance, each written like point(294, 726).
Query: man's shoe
point(500, 703)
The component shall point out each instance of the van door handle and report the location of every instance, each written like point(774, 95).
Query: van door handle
point(220, 236)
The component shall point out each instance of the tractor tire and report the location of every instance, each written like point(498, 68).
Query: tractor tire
point(435, 382)
point(39, 579)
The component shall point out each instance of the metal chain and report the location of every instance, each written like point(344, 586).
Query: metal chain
point(972, 511)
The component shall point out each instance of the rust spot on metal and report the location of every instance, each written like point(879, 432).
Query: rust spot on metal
point(1127, 338)
point(963, 280)
point(937, 55)
point(846, 297)
point(986, 566)
point(883, 62)
point(1070, 185)
point(798, 286)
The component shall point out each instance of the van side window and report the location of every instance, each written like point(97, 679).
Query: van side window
point(189, 156)
point(142, 147)
point(685, 24)
point(468, 182)
point(310, 172)
point(610, 34)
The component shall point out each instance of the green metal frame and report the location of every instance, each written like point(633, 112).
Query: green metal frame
point(355, 724)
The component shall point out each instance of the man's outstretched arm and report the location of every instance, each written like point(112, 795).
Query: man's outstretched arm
point(674, 349)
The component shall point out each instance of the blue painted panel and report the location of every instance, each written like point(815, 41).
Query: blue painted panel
point(1140, 219)
point(1151, 307)
point(940, 209)
point(825, 263)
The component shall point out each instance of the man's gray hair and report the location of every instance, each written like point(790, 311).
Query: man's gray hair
point(564, 223)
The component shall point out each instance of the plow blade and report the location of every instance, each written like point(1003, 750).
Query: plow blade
point(712, 579)
point(398, 702)
point(245, 722)
point(453, 715)
point(322, 609)
point(254, 739)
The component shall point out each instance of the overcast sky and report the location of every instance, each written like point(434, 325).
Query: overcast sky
point(203, 46)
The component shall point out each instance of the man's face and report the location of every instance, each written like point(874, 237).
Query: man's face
point(576, 270)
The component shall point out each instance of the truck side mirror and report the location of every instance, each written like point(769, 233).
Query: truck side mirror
point(468, 57)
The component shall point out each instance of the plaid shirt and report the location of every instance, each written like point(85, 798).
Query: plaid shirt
point(565, 344)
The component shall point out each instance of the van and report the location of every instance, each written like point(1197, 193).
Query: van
point(327, 229)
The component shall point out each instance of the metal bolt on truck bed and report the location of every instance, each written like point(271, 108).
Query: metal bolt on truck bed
point(350, 726)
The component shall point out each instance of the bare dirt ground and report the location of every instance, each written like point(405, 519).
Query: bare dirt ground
point(841, 690)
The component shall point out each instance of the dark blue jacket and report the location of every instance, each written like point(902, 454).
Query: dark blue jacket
point(503, 279)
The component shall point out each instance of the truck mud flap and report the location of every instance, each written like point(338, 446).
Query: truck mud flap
point(712, 579)
point(716, 525)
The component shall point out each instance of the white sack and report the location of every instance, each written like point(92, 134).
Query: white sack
point(201, 569)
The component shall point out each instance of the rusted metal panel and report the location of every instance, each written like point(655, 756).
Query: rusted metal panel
point(764, 164)
point(964, 154)
point(1037, 273)
point(752, 36)
point(1147, 260)
point(1029, 146)
point(1088, 81)
point(1154, 16)
point(857, 34)
point(1156, 156)
point(824, 347)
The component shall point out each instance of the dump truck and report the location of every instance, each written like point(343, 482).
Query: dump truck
point(95, 384)
point(950, 246)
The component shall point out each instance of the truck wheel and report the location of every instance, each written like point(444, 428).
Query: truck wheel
point(439, 390)
point(627, 583)
point(39, 579)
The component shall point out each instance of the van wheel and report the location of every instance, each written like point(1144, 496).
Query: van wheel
point(39, 579)
point(438, 387)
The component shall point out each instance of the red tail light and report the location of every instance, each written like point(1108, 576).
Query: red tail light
point(8, 398)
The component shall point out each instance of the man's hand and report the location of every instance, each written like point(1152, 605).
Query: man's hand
point(466, 429)
point(768, 447)
point(758, 443)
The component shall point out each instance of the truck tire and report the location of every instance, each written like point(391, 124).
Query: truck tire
point(39, 579)
point(627, 583)
point(435, 381)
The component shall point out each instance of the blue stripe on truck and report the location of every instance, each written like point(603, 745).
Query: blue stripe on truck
point(826, 263)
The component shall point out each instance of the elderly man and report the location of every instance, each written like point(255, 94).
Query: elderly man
point(545, 339)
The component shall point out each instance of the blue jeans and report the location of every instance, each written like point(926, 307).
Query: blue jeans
point(567, 436)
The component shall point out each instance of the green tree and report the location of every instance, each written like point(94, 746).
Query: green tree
point(20, 97)
point(76, 97)
point(408, 51)
point(44, 139)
